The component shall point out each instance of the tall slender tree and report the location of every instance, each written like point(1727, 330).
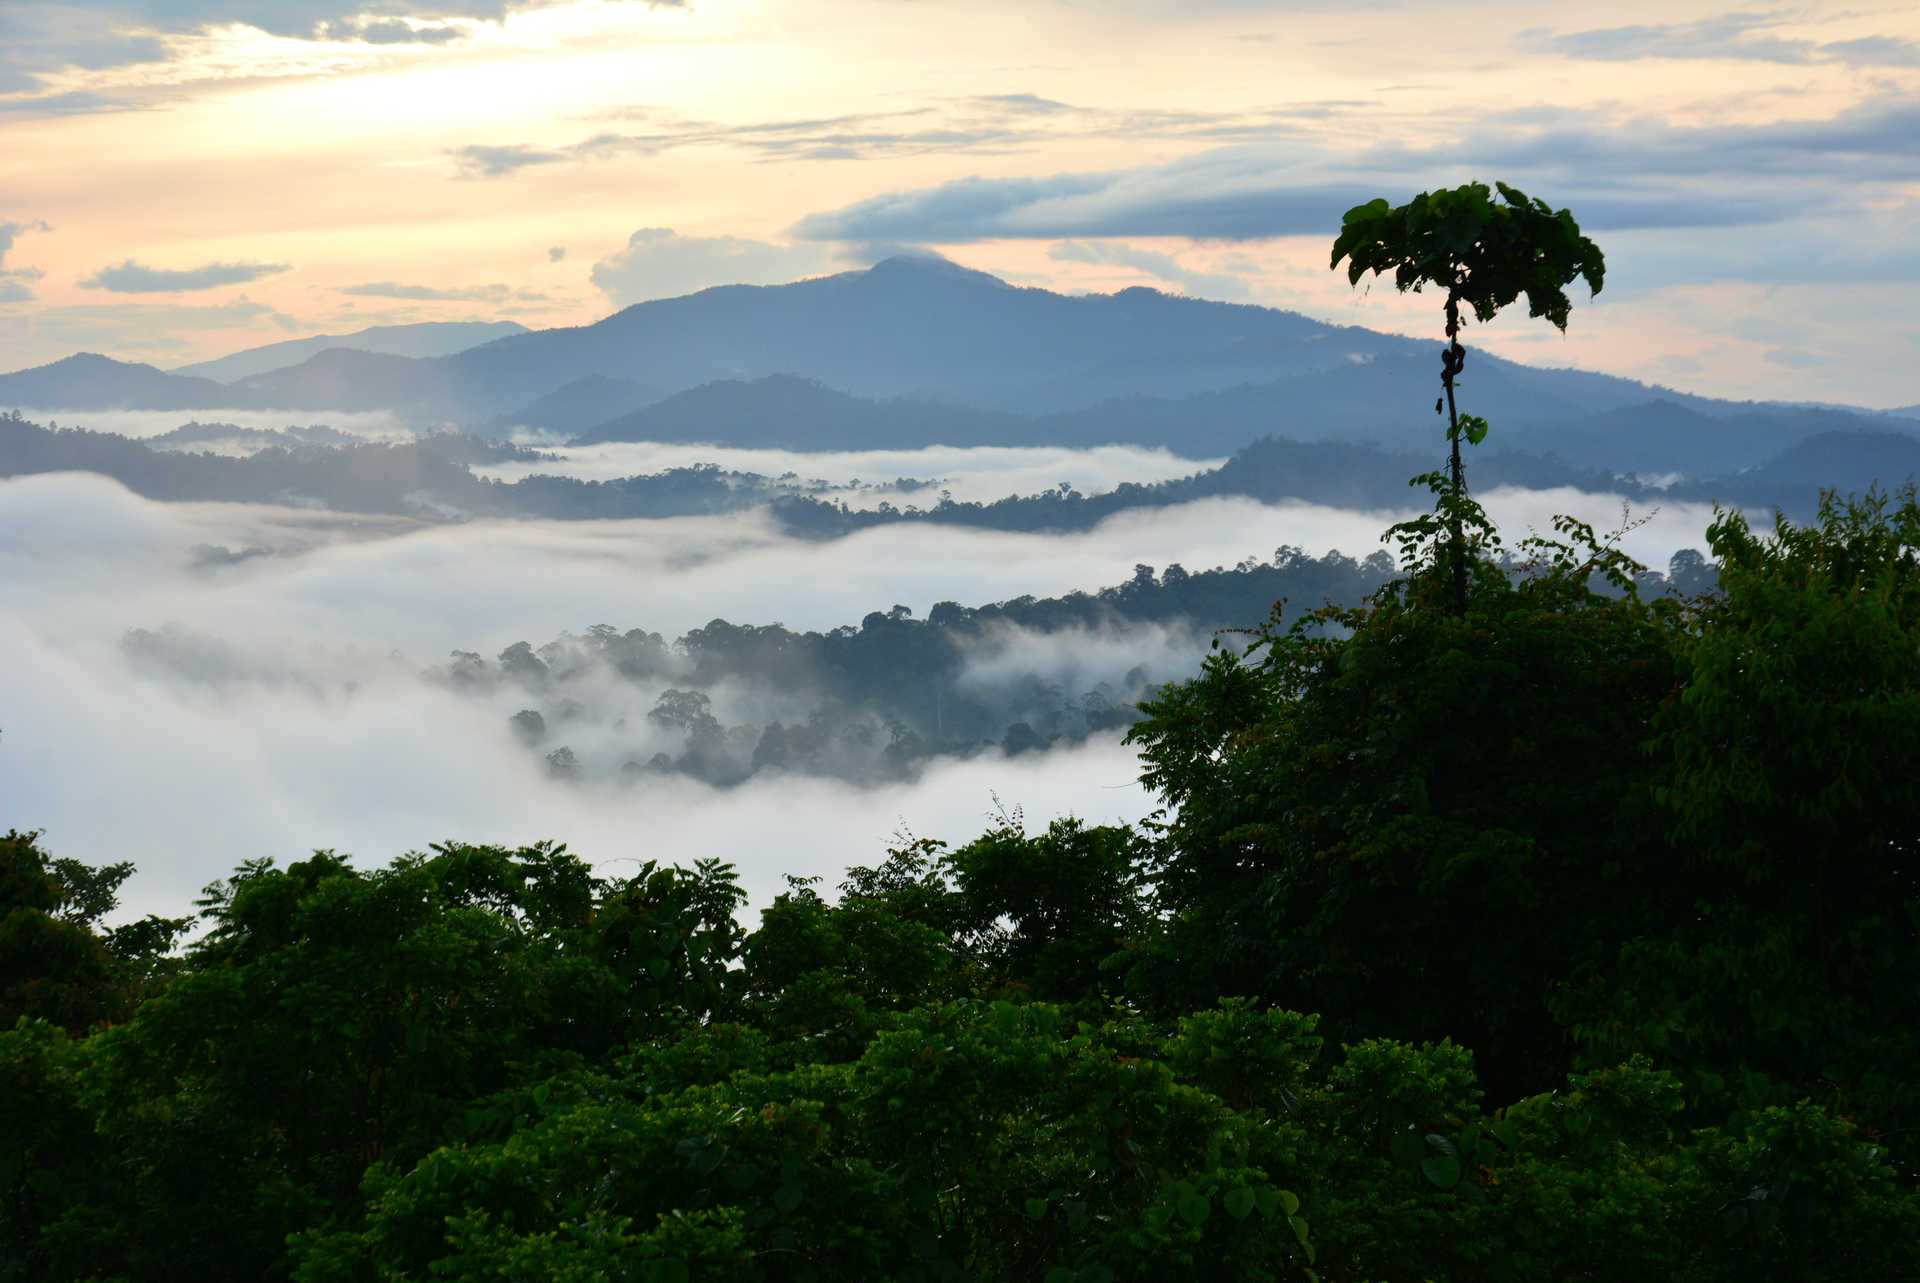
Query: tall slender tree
point(1485, 255)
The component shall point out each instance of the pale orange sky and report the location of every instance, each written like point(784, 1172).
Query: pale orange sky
point(176, 184)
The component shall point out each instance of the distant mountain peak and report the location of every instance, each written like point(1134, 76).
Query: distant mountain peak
point(921, 267)
point(80, 361)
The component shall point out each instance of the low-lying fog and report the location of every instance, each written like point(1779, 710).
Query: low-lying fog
point(368, 425)
point(306, 723)
point(964, 473)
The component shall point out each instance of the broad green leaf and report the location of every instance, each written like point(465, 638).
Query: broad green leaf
point(1442, 1169)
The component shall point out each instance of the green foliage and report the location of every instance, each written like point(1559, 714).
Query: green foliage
point(54, 964)
point(825, 974)
point(50, 968)
point(50, 1160)
point(1784, 764)
point(974, 1140)
point(1048, 911)
point(1482, 253)
point(1377, 816)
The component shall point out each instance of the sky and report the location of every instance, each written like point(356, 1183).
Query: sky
point(180, 179)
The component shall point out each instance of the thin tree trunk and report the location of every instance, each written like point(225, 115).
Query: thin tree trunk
point(1452, 361)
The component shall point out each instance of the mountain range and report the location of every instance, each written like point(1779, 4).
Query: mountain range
point(426, 338)
point(917, 351)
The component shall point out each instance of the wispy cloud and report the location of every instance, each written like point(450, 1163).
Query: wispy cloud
point(130, 277)
point(10, 232)
point(494, 293)
point(396, 31)
point(483, 161)
point(988, 124)
point(1739, 36)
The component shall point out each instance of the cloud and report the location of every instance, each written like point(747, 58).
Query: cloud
point(555, 253)
point(1025, 103)
point(14, 286)
point(1617, 174)
point(1874, 51)
point(480, 161)
point(73, 103)
point(130, 277)
point(1878, 246)
point(1795, 359)
point(396, 31)
point(1728, 36)
point(660, 263)
point(495, 293)
point(10, 232)
point(40, 39)
point(1164, 267)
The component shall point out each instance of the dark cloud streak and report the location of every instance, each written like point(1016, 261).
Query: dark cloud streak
point(1630, 175)
point(494, 293)
point(481, 161)
point(130, 277)
point(981, 125)
point(1729, 36)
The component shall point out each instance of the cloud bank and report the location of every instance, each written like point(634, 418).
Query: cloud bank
point(1617, 174)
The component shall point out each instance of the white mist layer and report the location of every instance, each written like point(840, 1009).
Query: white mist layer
point(187, 784)
point(370, 425)
point(295, 725)
point(966, 473)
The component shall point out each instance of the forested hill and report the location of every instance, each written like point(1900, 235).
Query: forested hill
point(880, 700)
